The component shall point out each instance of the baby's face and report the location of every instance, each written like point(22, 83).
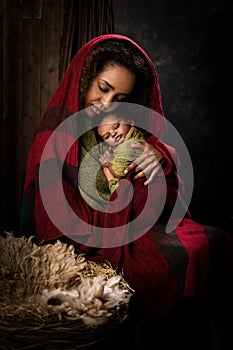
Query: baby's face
point(113, 130)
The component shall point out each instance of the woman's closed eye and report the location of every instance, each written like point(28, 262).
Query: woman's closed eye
point(117, 98)
point(103, 88)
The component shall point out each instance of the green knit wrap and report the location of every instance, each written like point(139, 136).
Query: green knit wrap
point(124, 154)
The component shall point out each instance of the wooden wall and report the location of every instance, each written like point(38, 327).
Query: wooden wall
point(30, 37)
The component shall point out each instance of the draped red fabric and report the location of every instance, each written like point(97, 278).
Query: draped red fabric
point(161, 267)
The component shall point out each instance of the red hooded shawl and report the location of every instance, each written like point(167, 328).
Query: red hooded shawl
point(161, 267)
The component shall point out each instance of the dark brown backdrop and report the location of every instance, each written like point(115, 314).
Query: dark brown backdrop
point(190, 42)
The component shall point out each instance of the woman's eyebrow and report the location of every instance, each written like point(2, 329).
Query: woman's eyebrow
point(109, 85)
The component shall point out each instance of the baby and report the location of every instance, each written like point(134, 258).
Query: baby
point(119, 134)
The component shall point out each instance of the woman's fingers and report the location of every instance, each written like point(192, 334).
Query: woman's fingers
point(153, 174)
point(147, 164)
point(146, 168)
point(146, 161)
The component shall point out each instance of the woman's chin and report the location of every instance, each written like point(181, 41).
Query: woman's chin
point(90, 113)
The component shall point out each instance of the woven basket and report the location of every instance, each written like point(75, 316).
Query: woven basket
point(58, 335)
point(32, 316)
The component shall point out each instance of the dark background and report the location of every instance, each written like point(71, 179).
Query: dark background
point(190, 43)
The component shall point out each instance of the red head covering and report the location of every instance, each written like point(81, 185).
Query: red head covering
point(67, 94)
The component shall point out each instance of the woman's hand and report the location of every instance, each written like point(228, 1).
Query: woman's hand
point(148, 163)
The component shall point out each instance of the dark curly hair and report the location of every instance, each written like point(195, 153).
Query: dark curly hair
point(123, 54)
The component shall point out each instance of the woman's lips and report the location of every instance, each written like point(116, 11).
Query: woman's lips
point(95, 109)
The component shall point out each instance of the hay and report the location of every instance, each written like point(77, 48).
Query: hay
point(50, 287)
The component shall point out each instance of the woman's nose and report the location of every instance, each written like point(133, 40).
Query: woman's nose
point(106, 101)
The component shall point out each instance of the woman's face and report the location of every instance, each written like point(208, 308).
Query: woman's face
point(111, 85)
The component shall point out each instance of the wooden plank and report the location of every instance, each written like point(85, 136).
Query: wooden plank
point(70, 11)
point(31, 83)
point(19, 165)
point(11, 112)
point(51, 39)
point(32, 9)
point(2, 12)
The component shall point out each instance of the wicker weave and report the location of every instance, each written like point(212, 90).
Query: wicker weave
point(57, 335)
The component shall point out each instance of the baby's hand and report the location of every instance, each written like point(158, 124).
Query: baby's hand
point(106, 156)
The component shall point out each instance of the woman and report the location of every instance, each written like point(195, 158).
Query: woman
point(161, 268)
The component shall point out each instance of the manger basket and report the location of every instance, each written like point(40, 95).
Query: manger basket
point(52, 298)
